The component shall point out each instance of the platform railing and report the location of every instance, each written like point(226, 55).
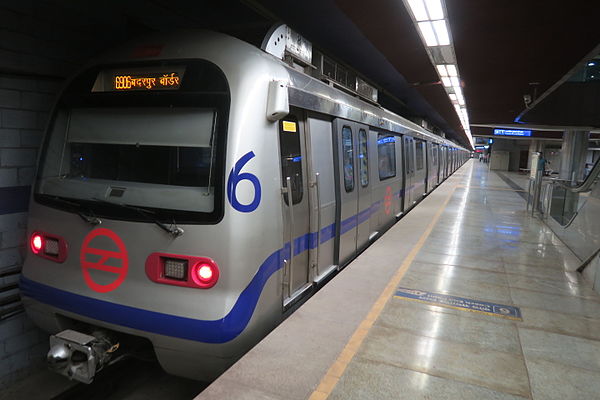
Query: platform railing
point(563, 199)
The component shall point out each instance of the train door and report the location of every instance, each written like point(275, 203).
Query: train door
point(431, 166)
point(364, 188)
point(445, 161)
point(354, 198)
point(409, 171)
point(420, 175)
point(296, 205)
point(323, 255)
point(435, 164)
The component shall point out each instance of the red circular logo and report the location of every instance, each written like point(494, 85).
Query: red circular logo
point(92, 258)
point(387, 200)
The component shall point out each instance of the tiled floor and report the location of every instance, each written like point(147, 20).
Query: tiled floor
point(486, 247)
point(472, 238)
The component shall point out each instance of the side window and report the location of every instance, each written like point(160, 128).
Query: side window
point(386, 152)
point(348, 158)
point(419, 154)
point(434, 154)
point(363, 158)
point(291, 157)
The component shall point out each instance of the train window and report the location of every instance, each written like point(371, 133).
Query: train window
point(419, 154)
point(363, 158)
point(348, 158)
point(434, 154)
point(164, 150)
point(291, 157)
point(386, 152)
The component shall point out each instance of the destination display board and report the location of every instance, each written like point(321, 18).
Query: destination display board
point(147, 81)
point(144, 79)
point(512, 132)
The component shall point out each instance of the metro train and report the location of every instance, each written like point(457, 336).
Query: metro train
point(192, 189)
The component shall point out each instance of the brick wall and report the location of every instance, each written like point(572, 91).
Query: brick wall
point(41, 43)
point(24, 105)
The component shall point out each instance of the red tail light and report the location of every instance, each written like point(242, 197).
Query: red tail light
point(49, 246)
point(180, 270)
point(205, 275)
point(37, 242)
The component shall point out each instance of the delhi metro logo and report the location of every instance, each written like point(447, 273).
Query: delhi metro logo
point(105, 265)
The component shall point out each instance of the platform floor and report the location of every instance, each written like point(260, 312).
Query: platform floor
point(471, 238)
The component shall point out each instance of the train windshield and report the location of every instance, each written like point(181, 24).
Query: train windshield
point(157, 149)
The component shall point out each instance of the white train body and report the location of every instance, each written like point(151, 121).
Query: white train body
point(105, 264)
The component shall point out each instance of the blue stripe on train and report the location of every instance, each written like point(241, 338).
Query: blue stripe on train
point(216, 331)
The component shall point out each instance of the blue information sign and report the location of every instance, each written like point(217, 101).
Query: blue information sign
point(461, 303)
point(512, 132)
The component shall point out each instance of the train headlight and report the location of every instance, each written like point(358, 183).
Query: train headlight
point(182, 270)
point(51, 247)
point(176, 269)
point(48, 246)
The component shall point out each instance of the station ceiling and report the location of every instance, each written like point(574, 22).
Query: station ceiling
point(504, 49)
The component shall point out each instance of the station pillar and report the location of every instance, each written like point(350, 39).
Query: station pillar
point(535, 145)
point(573, 154)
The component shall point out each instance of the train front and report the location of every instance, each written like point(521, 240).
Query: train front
point(126, 232)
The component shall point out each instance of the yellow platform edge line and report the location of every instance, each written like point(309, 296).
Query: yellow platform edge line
point(459, 308)
point(336, 370)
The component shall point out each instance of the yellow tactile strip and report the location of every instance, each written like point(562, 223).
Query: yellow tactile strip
point(335, 372)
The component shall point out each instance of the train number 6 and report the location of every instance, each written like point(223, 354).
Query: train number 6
point(235, 177)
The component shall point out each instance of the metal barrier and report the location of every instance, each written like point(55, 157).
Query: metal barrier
point(563, 199)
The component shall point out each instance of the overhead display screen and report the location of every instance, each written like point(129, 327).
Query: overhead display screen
point(512, 132)
point(147, 81)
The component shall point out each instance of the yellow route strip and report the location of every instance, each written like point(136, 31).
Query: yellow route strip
point(335, 372)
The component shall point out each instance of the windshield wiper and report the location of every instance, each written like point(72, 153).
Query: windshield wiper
point(90, 219)
point(148, 215)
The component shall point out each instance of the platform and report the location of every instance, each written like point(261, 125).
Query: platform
point(512, 319)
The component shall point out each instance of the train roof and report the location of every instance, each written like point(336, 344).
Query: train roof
point(304, 91)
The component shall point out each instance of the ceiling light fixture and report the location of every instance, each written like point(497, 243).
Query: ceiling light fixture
point(428, 34)
point(434, 28)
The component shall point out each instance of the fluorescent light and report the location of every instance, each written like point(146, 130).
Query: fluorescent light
point(427, 32)
point(455, 81)
point(435, 10)
point(452, 70)
point(446, 81)
point(453, 97)
point(442, 70)
point(457, 90)
point(418, 9)
point(461, 99)
point(441, 31)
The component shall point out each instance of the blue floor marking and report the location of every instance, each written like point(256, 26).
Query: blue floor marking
point(445, 300)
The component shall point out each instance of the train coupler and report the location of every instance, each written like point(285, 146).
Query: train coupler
point(80, 356)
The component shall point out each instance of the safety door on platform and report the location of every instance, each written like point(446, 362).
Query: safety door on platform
point(353, 189)
point(295, 205)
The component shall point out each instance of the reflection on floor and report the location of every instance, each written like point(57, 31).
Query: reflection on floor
point(487, 248)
